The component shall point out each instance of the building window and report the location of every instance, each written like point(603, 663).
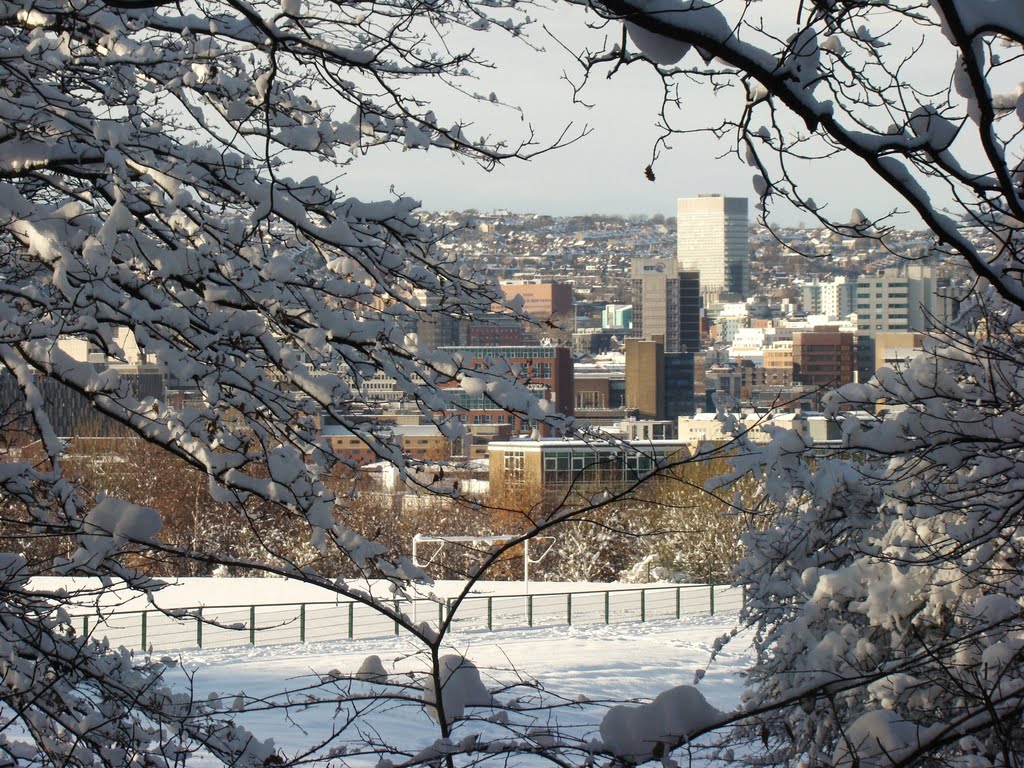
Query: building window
point(514, 466)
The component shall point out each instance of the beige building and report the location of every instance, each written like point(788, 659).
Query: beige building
point(897, 349)
point(419, 441)
point(542, 301)
point(713, 239)
point(556, 466)
point(756, 427)
point(85, 352)
point(645, 378)
point(778, 364)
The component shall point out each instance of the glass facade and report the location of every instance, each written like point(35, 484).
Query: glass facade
point(604, 467)
point(679, 379)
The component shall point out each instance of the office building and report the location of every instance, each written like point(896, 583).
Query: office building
point(712, 238)
point(897, 349)
point(556, 466)
point(666, 304)
point(542, 301)
point(914, 299)
point(645, 378)
point(679, 399)
point(823, 358)
point(546, 370)
point(659, 384)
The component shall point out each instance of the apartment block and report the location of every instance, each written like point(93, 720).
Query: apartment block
point(834, 299)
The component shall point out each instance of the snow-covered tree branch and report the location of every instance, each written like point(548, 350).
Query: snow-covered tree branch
point(886, 599)
point(177, 170)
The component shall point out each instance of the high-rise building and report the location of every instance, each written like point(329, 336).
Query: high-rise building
point(911, 300)
point(712, 238)
point(659, 384)
point(679, 385)
point(914, 299)
point(666, 303)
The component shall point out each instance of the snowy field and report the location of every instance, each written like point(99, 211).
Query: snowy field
point(598, 664)
point(554, 677)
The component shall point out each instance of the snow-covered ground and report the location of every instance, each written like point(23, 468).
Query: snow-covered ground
point(554, 677)
point(597, 663)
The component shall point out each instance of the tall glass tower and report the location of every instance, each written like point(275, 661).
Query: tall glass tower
point(712, 238)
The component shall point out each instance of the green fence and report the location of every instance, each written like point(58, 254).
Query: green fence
point(224, 626)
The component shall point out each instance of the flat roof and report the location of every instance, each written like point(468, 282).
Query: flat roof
point(554, 442)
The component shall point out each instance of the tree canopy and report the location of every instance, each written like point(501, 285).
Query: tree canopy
point(177, 169)
point(885, 596)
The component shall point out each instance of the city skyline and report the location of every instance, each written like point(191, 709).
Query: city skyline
point(602, 172)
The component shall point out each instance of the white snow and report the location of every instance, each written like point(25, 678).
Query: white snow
point(695, 15)
point(879, 738)
point(111, 524)
point(648, 731)
point(461, 687)
point(587, 665)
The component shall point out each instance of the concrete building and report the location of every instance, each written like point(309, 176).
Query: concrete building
point(666, 304)
point(71, 413)
point(734, 380)
point(914, 299)
point(731, 318)
point(435, 328)
point(897, 349)
point(712, 238)
point(833, 299)
point(778, 364)
point(645, 378)
point(757, 427)
point(600, 393)
point(617, 316)
point(596, 341)
point(419, 441)
point(496, 330)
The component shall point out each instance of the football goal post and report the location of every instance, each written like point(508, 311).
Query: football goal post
point(541, 546)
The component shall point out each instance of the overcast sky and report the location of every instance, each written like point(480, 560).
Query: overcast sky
point(603, 172)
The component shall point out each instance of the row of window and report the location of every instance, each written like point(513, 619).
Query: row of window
point(612, 467)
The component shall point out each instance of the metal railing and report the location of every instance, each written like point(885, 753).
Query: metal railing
point(223, 626)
